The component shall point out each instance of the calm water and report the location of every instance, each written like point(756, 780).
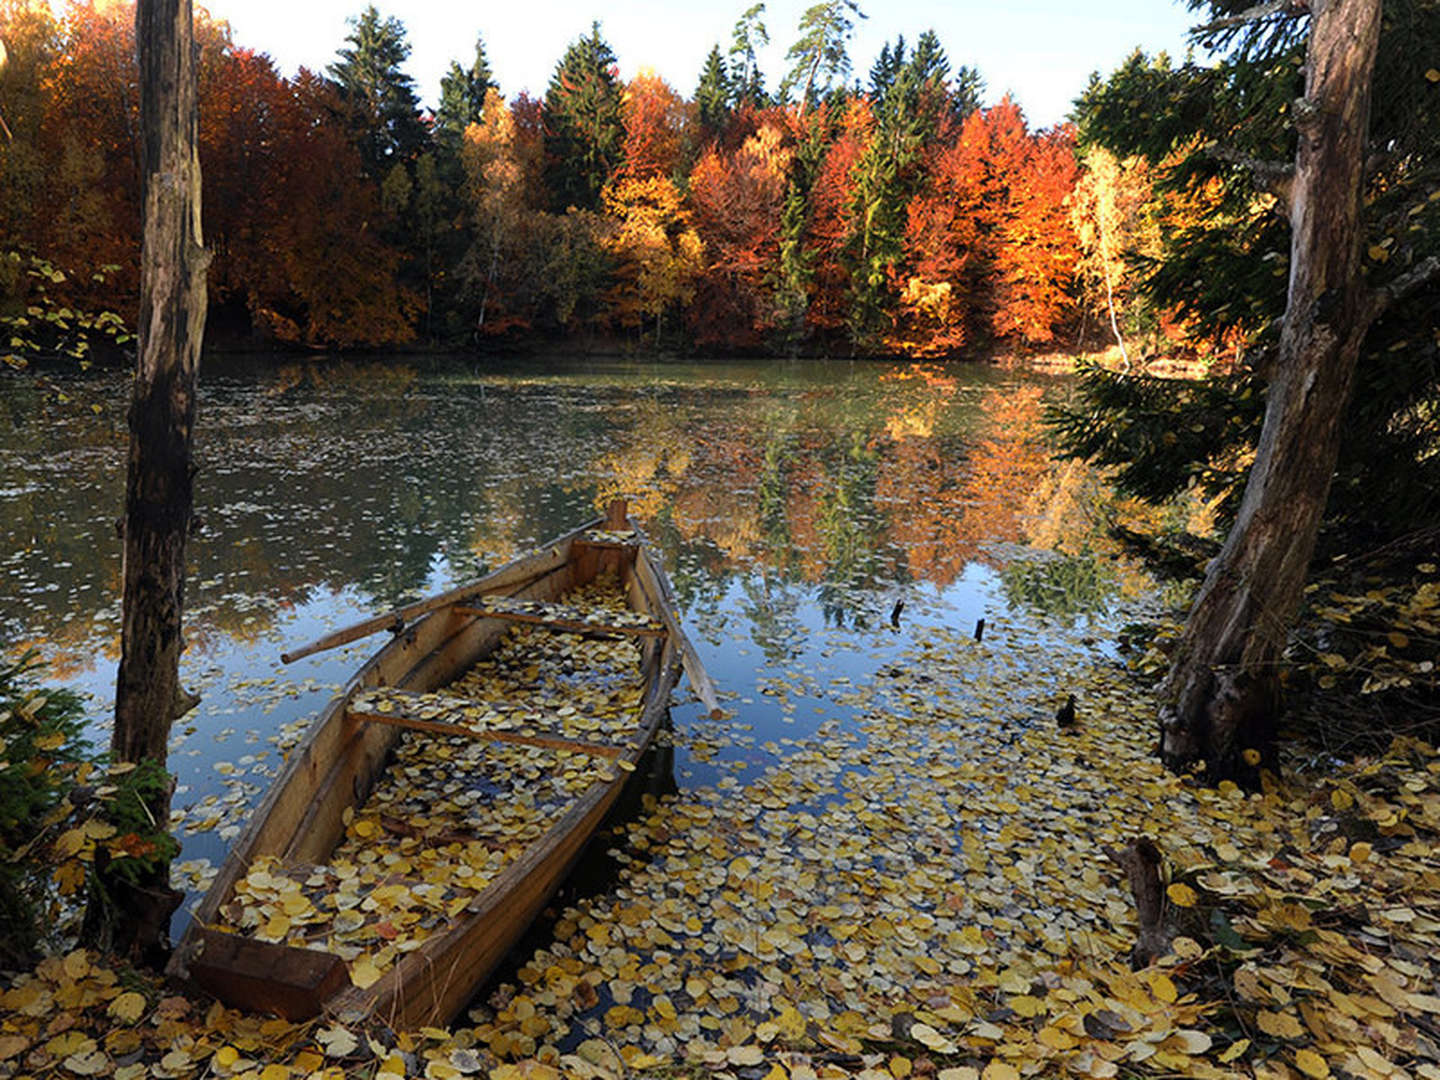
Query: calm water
point(794, 505)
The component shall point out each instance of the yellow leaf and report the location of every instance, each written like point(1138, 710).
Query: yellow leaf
point(1359, 852)
point(128, 1007)
point(1181, 895)
point(931, 1039)
point(1433, 75)
point(745, 1055)
point(1163, 989)
point(1000, 1070)
point(275, 1072)
point(364, 973)
point(899, 1067)
point(1280, 1025)
point(1312, 1064)
point(1340, 799)
point(226, 1056)
point(1027, 1005)
point(1234, 1050)
point(1396, 638)
point(1378, 253)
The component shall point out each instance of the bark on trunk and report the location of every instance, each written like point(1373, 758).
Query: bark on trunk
point(1221, 696)
point(158, 492)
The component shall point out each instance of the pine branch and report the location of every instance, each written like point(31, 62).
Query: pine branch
point(1418, 276)
point(1255, 14)
point(1276, 177)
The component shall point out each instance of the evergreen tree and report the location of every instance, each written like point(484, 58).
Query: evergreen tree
point(1305, 305)
point(820, 57)
point(909, 98)
point(380, 107)
point(462, 96)
point(966, 90)
point(749, 35)
point(713, 94)
point(583, 125)
point(887, 65)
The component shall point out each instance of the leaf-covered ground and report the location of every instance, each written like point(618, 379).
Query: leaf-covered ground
point(925, 892)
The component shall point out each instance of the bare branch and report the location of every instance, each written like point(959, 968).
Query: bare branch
point(1418, 276)
point(1255, 14)
point(1276, 177)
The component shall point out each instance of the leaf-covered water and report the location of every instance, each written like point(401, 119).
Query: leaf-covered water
point(795, 505)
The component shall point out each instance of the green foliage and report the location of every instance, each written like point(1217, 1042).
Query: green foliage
point(42, 756)
point(380, 106)
point(35, 323)
point(462, 97)
point(713, 93)
point(583, 129)
point(748, 82)
point(820, 58)
point(142, 845)
point(1214, 134)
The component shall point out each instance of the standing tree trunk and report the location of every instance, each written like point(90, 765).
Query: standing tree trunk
point(1222, 693)
point(158, 491)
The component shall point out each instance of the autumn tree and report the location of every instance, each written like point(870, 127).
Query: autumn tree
point(1035, 248)
point(495, 193)
point(738, 200)
point(655, 121)
point(657, 252)
point(1110, 212)
point(583, 127)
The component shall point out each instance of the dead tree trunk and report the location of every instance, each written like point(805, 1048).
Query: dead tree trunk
point(158, 491)
point(1221, 695)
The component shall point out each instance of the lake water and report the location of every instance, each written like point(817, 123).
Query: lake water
point(794, 505)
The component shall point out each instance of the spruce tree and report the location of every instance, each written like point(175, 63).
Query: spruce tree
point(713, 94)
point(462, 96)
point(583, 125)
point(1320, 257)
point(380, 107)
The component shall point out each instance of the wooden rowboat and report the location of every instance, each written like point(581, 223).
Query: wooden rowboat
point(296, 865)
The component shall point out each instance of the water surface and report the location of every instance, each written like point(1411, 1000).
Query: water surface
point(795, 505)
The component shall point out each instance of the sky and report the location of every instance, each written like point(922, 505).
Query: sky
point(1041, 51)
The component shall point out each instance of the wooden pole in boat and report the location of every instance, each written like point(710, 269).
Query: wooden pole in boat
point(508, 576)
point(617, 515)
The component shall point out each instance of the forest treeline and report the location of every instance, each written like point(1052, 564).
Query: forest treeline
point(892, 214)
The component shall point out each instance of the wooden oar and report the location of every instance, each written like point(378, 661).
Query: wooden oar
point(511, 575)
point(655, 584)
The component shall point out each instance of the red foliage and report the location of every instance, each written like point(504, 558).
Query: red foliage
point(737, 199)
point(830, 224)
point(655, 119)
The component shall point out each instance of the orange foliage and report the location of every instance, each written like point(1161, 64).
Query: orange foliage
point(830, 213)
point(655, 119)
point(737, 199)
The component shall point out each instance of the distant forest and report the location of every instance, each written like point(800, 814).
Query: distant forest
point(885, 215)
